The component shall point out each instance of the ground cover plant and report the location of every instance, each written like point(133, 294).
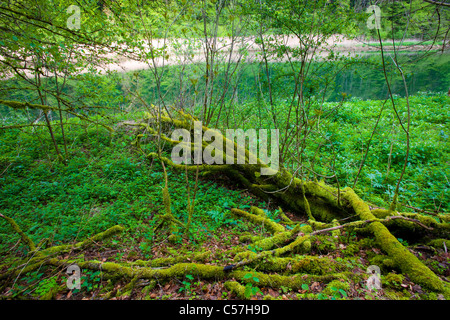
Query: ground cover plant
point(98, 99)
point(108, 182)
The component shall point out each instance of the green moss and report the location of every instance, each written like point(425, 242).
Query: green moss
point(250, 238)
point(337, 232)
point(397, 295)
point(149, 288)
point(324, 243)
point(285, 218)
point(305, 228)
point(439, 243)
point(271, 280)
point(383, 262)
point(258, 212)
point(304, 248)
point(282, 237)
point(178, 258)
point(367, 243)
point(317, 225)
point(314, 265)
point(27, 241)
point(429, 296)
point(351, 250)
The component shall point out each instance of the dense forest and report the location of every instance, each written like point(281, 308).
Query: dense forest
point(224, 150)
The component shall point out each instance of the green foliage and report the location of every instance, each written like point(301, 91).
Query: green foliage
point(90, 281)
point(250, 289)
point(100, 180)
point(337, 290)
point(104, 183)
point(46, 286)
point(187, 285)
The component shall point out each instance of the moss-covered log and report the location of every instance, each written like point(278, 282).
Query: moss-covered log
point(313, 199)
point(281, 259)
point(25, 239)
point(259, 219)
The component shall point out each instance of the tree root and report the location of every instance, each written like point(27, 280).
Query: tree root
point(259, 219)
point(295, 271)
point(403, 259)
point(317, 201)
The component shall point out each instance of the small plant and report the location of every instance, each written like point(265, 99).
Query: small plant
point(187, 285)
point(338, 293)
point(321, 296)
point(251, 290)
point(337, 289)
point(90, 281)
point(403, 242)
point(46, 286)
point(255, 249)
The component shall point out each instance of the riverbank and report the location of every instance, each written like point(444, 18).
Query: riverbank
point(249, 49)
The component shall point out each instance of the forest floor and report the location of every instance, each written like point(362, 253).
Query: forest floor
point(107, 182)
point(186, 51)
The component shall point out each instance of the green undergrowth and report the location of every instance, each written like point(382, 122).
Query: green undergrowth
point(106, 182)
point(340, 135)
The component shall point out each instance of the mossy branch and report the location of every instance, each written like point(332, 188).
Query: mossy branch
point(303, 238)
point(405, 260)
point(25, 239)
point(267, 223)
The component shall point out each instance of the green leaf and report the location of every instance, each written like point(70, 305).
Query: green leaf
point(305, 286)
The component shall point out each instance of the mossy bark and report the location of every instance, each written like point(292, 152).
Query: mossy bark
point(25, 239)
point(405, 260)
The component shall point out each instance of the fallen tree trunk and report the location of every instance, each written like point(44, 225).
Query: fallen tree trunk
point(287, 249)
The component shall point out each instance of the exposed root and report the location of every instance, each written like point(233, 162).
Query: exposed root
point(282, 259)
